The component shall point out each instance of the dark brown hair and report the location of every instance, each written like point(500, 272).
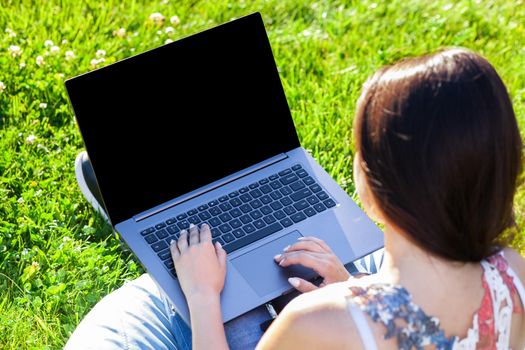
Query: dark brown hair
point(440, 146)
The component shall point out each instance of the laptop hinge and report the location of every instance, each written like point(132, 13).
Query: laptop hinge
point(223, 182)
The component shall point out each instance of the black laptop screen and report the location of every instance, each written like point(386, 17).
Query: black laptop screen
point(181, 116)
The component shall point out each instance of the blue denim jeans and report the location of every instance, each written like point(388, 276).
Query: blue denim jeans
point(138, 316)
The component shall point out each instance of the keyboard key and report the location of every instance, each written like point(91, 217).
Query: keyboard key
point(182, 216)
point(266, 199)
point(308, 181)
point(225, 228)
point(329, 203)
point(244, 241)
point(315, 188)
point(313, 200)
point(235, 223)
point(286, 222)
point(256, 204)
point(165, 254)
point(273, 177)
point(233, 194)
point(276, 205)
point(266, 210)
point(217, 239)
point(158, 246)
point(228, 237)
point(194, 219)
point(289, 210)
point(265, 189)
point(173, 229)
point(276, 195)
point(297, 185)
point(245, 208)
point(215, 232)
point(285, 191)
point(225, 217)
point(214, 211)
point(279, 214)
point(183, 225)
point(256, 214)
point(235, 202)
point(256, 193)
point(298, 217)
point(223, 199)
point(245, 197)
point(296, 167)
point(147, 231)
point(302, 204)
point(263, 181)
point(173, 273)
point(248, 228)
point(203, 207)
point(310, 211)
point(243, 190)
point(245, 219)
point(238, 233)
point(253, 185)
point(225, 206)
point(303, 193)
point(235, 213)
point(302, 173)
point(151, 239)
point(288, 179)
point(214, 222)
point(192, 212)
point(286, 201)
point(322, 195)
point(205, 215)
point(213, 203)
point(285, 172)
point(259, 224)
point(269, 219)
point(162, 234)
point(319, 207)
point(171, 221)
point(169, 264)
point(159, 226)
point(275, 185)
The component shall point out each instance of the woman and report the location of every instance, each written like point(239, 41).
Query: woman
point(438, 155)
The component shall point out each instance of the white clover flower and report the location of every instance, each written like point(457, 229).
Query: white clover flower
point(20, 200)
point(30, 139)
point(70, 55)
point(22, 65)
point(40, 61)
point(15, 50)
point(120, 33)
point(42, 105)
point(54, 50)
point(159, 32)
point(168, 41)
point(169, 31)
point(175, 20)
point(64, 42)
point(96, 61)
point(2, 87)
point(100, 53)
point(157, 18)
point(48, 43)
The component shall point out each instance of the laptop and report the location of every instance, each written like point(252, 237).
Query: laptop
point(199, 131)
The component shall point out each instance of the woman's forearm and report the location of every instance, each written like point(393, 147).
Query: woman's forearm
point(206, 323)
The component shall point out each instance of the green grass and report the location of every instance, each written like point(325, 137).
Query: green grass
point(57, 257)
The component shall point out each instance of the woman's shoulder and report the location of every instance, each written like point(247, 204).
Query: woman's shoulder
point(516, 262)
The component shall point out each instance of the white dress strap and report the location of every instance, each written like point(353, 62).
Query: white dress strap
point(362, 327)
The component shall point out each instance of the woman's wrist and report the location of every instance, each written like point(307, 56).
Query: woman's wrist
point(201, 297)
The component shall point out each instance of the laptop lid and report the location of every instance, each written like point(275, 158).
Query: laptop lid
point(171, 120)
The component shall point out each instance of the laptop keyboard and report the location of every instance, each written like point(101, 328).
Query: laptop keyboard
point(248, 214)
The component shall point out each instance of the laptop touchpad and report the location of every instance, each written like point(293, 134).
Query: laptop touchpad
point(263, 274)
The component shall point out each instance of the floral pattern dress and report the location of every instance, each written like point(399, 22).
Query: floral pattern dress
point(392, 306)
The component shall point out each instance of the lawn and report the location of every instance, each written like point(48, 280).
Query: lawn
point(57, 257)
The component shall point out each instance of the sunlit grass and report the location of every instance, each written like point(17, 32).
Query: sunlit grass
point(57, 258)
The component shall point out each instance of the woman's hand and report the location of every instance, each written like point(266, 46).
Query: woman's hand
point(200, 266)
point(314, 253)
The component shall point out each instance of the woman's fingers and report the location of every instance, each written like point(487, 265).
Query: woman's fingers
point(318, 241)
point(221, 254)
point(175, 253)
point(194, 234)
point(309, 246)
point(308, 259)
point(182, 243)
point(301, 285)
point(205, 233)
